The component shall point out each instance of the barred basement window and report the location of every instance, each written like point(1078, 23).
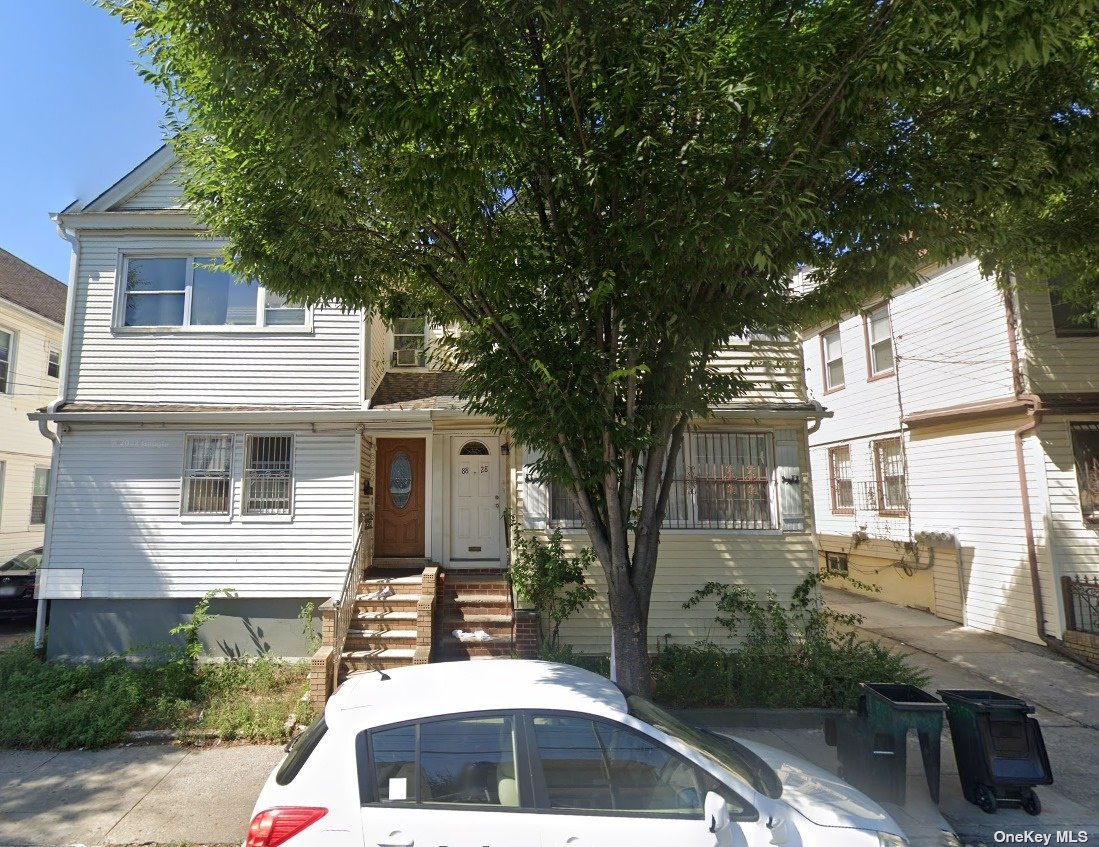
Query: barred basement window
point(268, 468)
point(206, 484)
point(836, 563)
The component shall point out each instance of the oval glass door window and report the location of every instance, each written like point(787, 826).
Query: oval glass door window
point(400, 480)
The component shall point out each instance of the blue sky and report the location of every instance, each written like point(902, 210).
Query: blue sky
point(74, 118)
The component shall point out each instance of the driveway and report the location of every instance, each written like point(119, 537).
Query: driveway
point(1066, 696)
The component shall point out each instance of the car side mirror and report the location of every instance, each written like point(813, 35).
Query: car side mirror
point(716, 811)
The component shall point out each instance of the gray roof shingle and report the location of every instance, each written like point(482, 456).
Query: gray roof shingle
point(26, 286)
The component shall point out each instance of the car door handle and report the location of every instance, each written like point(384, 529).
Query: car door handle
point(394, 840)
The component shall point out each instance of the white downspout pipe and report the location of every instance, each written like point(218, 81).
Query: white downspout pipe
point(43, 426)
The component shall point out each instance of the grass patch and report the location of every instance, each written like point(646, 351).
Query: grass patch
point(62, 705)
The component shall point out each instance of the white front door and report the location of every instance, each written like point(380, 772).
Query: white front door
point(475, 493)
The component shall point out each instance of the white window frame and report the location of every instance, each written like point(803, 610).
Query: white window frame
point(3, 477)
point(837, 563)
point(274, 517)
point(9, 377)
point(872, 343)
point(421, 357)
point(837, 508)
point(826, 360)
point(259, 326)
point(45, 511)
point(53, 353)
point(1084, 475)
point(884, 507)
point(216, 517)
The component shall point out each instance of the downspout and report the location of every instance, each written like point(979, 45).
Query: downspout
point(43, 425)
point(1035, 410)
point(818, 419)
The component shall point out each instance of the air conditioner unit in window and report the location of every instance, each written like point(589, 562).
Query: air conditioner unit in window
point(407, 358)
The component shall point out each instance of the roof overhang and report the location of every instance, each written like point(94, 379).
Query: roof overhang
point(143, 219)
point(1001, 407)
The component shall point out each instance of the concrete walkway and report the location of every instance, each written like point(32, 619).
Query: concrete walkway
point(130, 795)
point(1065, 694)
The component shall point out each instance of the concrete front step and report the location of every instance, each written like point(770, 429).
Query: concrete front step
point(356, 661)
point(478, 616)
point(384, 616)
point(497, 629)
point(394, 602)
point(376, 639)
point(450, 649)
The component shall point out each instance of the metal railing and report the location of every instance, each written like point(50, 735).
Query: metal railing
point(1081, 595)
point(345, 604)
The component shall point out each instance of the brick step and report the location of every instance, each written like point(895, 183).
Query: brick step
point(469, 617)
point(473, 600)
point(358, 661)
point(397, 603)
point(392, 587)
point(366, 639)
point(378, 617)
point(450, 649)
point(396, 563)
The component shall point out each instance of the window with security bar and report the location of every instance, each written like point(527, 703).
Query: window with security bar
point(839, 471)
point(207, 487)
point(268, 474)
point(889, 466)
point(1085, 449)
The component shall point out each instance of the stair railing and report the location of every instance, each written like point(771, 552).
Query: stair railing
point(345, 605)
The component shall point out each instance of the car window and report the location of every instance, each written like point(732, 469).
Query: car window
point(592, 765)
point(468, 760)
point(299, 750)
point(29, 561)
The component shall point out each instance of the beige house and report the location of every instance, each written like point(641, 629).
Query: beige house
point(212, 435)
point(960, 471)
point(32, 311)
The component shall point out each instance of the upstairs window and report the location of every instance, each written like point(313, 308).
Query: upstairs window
point(268, 469)
point(207, 488)
point(53, 364)
point(832, 357)
point(5, 361)
point(879, 342)
point(1085, 449)
point(1067, 321)
point(889, 468)
point(40, 495)
point(408, 342)
point(193, 291)
point(839, 472)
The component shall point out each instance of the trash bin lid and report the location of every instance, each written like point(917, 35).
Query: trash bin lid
point(985, 700)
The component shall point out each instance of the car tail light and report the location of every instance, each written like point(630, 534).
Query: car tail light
point(273, 826)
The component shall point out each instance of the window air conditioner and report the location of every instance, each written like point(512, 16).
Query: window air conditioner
point(407, 358)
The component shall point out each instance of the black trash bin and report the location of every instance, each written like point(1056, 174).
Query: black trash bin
point(872, 745)
point(999, 747)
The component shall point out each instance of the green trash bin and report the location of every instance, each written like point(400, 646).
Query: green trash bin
point(999, 747)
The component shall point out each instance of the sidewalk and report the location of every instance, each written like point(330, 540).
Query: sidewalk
point(127, 795)
point(1065, 694)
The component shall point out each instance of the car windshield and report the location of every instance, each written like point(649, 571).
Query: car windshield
point(724, 752)
point(28, 561)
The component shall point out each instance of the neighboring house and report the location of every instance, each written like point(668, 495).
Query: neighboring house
point(212, 435)
point(963, 455)
point(32, 310)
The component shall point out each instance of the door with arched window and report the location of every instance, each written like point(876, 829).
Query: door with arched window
point(475, 492)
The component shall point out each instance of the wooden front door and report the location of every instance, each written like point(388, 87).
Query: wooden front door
point(399, 497)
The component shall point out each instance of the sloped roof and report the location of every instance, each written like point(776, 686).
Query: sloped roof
point(34, 290)
point(417, 390)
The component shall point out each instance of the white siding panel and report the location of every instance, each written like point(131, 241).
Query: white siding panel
point(162, 192)
point(257, 368)
point(1054, 365)
point(773, 366)
point(117, 518)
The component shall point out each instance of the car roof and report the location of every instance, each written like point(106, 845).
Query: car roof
point(420, 691)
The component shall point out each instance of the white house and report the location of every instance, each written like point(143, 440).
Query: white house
point(32, 308)
point(212, 435)
point(959, 472)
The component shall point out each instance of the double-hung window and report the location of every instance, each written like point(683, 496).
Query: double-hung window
point(194, 291)
point(1067, 320)
point(563, 510)
point(722, 480)
point(1085, 449)
point(53, 364)
point(889, 468)
point(879, 342)
point(268, 472)
point(832, 357)
point(409, 344)
point(40, 495)
point(839, 473)
point(7, 348)
point(207, 478)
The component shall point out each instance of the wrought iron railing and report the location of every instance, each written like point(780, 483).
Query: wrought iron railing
point(345, 604)
point(1081, 595)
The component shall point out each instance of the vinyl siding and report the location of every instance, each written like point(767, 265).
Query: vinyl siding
point(258, 367)
point(162, 192)
point(773, 366)
point(1052, 364)
point(22, 445)
point(117, 518)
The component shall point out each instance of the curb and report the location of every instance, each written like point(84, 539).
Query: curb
point(758, 718)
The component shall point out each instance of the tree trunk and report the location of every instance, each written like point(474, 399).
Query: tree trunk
point(630, 624)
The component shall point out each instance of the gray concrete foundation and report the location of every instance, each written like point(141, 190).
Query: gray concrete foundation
point(253, 626)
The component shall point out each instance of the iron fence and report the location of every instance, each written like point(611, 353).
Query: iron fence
point(1081, 595)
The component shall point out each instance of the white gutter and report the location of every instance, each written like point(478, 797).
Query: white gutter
point(55, 457)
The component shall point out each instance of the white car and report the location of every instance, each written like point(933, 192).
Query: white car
point(510, 753)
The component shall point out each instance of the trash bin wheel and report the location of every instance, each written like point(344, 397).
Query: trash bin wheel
point(986, 799)
point(1031, 804)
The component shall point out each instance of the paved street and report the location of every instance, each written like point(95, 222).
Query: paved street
point(138, 794)
point(1065, 694)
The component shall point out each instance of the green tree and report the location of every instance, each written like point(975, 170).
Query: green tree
point(598, 194)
